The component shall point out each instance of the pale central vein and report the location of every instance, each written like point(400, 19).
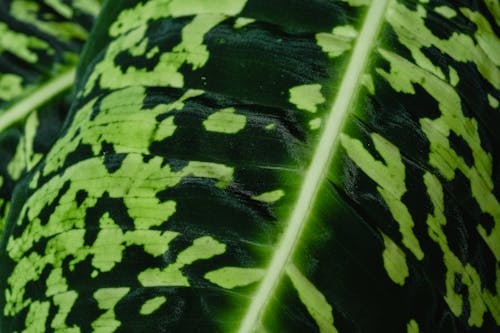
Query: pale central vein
point(38, 97)
point(319, 165)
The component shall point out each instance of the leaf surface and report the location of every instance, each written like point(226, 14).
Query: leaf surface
point(263, 166)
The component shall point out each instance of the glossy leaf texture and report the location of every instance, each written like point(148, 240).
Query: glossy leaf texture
point(269, 166)
point(40, 42)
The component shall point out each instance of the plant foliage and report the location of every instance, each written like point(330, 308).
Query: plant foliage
point(250, 165)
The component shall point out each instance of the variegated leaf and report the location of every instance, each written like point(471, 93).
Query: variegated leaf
point(269, 166)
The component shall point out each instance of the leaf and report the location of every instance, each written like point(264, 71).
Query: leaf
point(39, 50)
point(271, 166)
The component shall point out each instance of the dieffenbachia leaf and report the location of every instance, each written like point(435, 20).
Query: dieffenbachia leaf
point(269, 166)
point(40, 42)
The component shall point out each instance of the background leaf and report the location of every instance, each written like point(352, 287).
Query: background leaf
point(39, 48)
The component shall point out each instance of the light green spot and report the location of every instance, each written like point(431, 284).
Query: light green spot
point(10, 85)
point(225, 121)
point(493, 101)
point(446, 12)
point(89, 7)
point(64, 302)
point(151, 305)
point(346, 31)
point(149, 212)
point(454, 78)
point(412, 327)
point(313, 299)
point(56, 283)
point(61, 8)
point(233, 277)
point(367, 82)
point(25, 159)
point(165, 129)
point(107, 298)
point(315, 124)
point(202, 248)
point(242, 21)
point(394, 261)
point(30, 131)
point(270, 197)
point(358, 3)
point(20, 45)
point(154, 51)
point(17, 165)
point(3, 215)
point(390, 178)
point(307, 97)
point(36, 317)
point(270, 126)
point(34, 181)
point(338, 42)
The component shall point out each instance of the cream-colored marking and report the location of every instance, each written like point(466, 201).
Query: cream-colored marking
point(307, 97)
point(269, 197)
point(233, 277)
point(10, 86)
point(320, 162)
point(493, 101)
point(270, 126)
point(225, 121)
point(337, 42)
point(242, 21)
point(357, 3)
point(453, 75)
point(107, 298)
point(313, 299)
point(367, 81)
point(151, 305)
point(446, 12)
point(394, 261)
point(412, 327)
point(37, 98)
point(315, 124)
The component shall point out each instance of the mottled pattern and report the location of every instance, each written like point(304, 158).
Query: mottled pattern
point(190, 138)
point(40, 42)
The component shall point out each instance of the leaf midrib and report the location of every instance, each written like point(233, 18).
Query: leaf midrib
point(319, 165)
point(38, 97)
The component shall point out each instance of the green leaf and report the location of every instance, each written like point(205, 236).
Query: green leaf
point(270, 166)
point(39, 50)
